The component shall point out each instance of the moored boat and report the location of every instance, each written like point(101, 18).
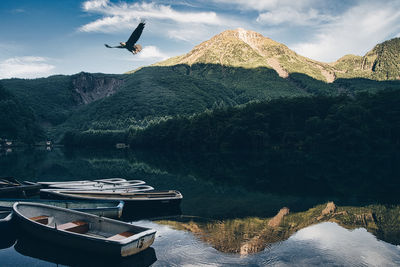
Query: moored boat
point(12, 187)
point(101, 185)
point(165, 198)
point(106, 208)
point(82, 231)
point(140, 188)
point(84, 182)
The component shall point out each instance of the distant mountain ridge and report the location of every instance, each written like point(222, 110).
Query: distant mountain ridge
point(249, 49)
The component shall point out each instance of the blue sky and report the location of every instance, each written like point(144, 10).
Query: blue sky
point(45, 37)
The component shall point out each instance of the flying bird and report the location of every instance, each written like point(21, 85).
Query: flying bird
point(131, 43)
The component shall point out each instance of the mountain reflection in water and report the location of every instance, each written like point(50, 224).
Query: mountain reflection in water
point(252, 235)
point(323, 244)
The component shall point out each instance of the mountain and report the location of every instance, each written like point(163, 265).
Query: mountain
point(233, 68)
point(249, 49)
point(381, 63)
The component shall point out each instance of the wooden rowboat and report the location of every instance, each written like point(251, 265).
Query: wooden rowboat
point(10, 187)
point(164, 198)
point(81, 230)
point(110, 209)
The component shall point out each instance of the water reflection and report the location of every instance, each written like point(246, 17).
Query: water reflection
point(252, 235)
point(7, 239)
point(323, 244)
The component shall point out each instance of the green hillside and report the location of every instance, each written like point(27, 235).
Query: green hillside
point(55, 98)
point(154, 92)
point(362, 123)
point(50, 98)
point(17, 121)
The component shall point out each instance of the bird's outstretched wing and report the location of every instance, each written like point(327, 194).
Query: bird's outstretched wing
point(135, 35)
point(118, 46)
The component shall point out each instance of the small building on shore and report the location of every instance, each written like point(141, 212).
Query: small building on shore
point(121, 145)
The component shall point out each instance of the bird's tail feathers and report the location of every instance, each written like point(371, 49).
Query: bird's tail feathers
point(106, 45)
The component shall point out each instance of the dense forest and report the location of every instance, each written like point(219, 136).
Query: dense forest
point(17, 121)
point(361, 123)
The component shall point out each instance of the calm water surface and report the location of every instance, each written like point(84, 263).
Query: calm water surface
point(228, 200)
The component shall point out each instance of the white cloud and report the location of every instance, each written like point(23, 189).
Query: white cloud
point(94, 4)
point(18, 11)
point(152, 52)
point(293, 16)
point(355, 31)
point(347, 247)
point(120, 15)
point(25, 67)
point(262, 5)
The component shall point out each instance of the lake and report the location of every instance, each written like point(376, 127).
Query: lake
point(229, 200)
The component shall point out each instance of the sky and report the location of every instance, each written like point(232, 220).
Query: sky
point(39, 38)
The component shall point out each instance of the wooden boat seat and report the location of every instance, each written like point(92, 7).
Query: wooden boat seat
point(79, 227)
point(120, 236)
point(43, 219)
